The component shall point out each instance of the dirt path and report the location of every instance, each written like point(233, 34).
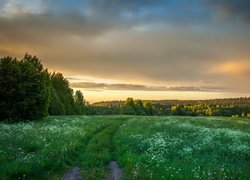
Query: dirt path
point(74, 174)
point(116, 171)
point(94, 142)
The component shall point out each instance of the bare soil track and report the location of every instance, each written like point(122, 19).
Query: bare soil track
point(74, 174)
point(116, 171)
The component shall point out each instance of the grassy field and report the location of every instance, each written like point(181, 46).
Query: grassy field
point(145, 147)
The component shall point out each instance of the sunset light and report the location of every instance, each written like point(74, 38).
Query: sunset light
point(124, 89)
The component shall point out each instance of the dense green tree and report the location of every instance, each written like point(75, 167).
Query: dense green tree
point(148, 109)
point(79, 102)
point(9, 82)
point(56, 107)
point(28, 91)
point(176, 110)
point(129, 107)
point(64, 92)
point(25, 88)
point(216, 107)
point(139, 108)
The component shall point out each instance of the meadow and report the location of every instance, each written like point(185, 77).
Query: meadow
point(145, 147)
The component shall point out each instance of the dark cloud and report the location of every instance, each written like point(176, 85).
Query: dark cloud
point(92, 18)
point(29, 28)
point(169, 41)
point(141, 12)
point(237, 9)
point(136, 87)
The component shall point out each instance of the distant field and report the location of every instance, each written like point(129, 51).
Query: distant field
point(145, 147)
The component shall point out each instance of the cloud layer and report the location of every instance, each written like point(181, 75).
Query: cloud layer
point(238, 10)
point(186, 44)
point(137, 87)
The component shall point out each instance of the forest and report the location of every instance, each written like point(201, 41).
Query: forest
point(238, 107)
point(28, 91)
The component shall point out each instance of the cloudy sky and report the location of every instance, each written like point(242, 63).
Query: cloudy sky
point(148, 49)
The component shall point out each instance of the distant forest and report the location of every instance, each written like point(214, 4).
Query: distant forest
point(239, 107)
point(29, 92)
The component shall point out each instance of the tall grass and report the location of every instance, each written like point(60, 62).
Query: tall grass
point(145, 147)
point(184, 148)
point(43, 149)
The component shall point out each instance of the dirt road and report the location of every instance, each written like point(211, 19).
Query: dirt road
point(116, 171)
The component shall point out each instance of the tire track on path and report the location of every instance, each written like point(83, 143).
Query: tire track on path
point(97, 155)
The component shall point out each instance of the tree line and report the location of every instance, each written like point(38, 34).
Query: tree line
point(28, 91)
point(239, 107)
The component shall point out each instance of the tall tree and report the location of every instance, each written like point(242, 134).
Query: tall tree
point(139, 108)
point(56, 107)
point(64, 92)
point(79, 102)
point(148, 109)
point(9, 82)
point(128, 107)
point(25, 88)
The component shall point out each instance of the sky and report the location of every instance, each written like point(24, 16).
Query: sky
point(147, 49)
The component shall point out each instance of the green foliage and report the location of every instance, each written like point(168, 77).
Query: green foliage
point(139, 108)
point(64, 92)
point(148, 109)
point(176, 110)
point(99, 110)
point(99, 151)
point(29, 92)
point(25, 89)
point(9, 83)
point(216, 107)
point(56, 106)
point(63, 101)
point(146, 147)
point(79, 102)
point(184, 148)
point(131, 107)
point(43, 148)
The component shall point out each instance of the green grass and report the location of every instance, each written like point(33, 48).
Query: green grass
point(45, 148)
point(184, 148)
point(145, 147)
